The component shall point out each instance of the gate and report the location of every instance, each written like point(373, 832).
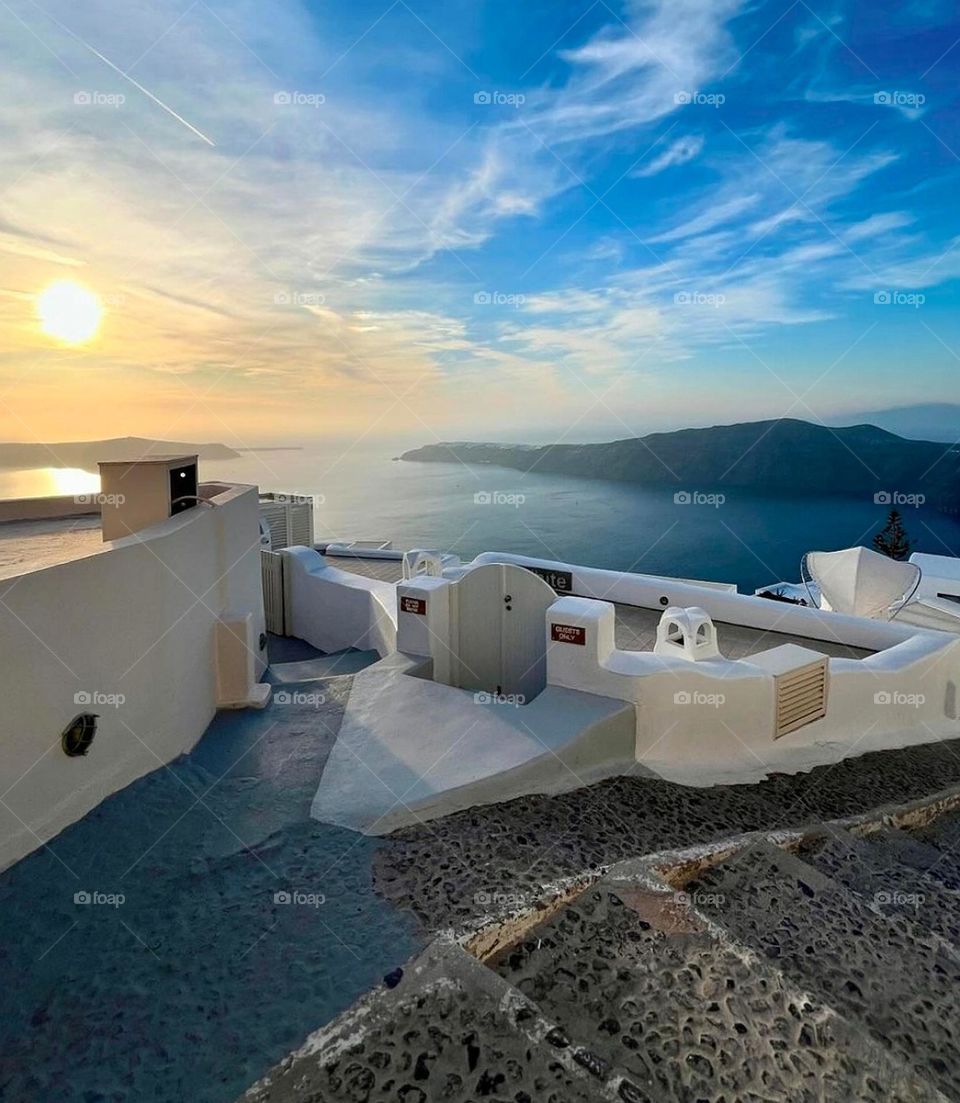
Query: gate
point(502, 647)
point(273, 579)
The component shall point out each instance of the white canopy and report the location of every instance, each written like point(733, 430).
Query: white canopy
point(862, 582)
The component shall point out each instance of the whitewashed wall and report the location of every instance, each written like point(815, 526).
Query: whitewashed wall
point(334, 609)
point(653, 592)
point(133, 620)
point(709, 723)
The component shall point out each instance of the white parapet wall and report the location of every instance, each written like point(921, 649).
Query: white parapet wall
point(654, 592)
point(128, 632)
point(712, 722)
point(334, 609)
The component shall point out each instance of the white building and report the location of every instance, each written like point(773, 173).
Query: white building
point(150, 631)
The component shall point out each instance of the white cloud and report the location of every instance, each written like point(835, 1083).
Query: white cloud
point(677, 153)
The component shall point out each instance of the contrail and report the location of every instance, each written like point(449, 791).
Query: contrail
point(146, 92)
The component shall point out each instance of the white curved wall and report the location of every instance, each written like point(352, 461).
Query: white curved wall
point(334, 609)
point(650, 592)
point(134, 619)
point(712, 722)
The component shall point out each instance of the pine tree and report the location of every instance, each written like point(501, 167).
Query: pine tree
point(892, 539)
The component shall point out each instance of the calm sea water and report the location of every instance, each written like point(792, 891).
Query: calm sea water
point(748, 539)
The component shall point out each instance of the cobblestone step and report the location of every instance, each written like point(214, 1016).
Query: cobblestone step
point(449, 1031)
point(635, 979)
point(886, 974)
point(870, 867)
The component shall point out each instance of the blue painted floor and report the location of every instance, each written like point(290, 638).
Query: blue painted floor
point(204, 975)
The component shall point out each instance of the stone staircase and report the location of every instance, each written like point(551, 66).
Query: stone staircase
point(823, 968)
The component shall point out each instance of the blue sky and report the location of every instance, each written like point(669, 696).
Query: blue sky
point(478, 219)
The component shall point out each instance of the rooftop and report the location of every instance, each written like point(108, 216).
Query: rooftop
point(25, 545)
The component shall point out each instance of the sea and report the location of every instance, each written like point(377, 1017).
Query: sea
point(714, 532)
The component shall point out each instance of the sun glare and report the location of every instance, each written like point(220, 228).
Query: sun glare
point(69, 312)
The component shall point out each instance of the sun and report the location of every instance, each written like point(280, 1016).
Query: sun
point(69, 312)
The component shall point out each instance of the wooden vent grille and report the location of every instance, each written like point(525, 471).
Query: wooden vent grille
point(801, 697)
point(800, 685)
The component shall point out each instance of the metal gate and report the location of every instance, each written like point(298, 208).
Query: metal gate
point(502, 646)
point(273, 579)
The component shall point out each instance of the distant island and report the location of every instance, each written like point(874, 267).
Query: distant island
point(86, 454)
point(786, 456)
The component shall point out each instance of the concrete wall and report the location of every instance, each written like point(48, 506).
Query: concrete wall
point(705, 723)
point(334, 609)
point(60, 505)
point(126, 632)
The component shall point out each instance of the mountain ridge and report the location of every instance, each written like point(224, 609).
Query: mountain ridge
point(782, 455)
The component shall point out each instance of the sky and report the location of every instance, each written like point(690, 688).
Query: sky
point(476, 220)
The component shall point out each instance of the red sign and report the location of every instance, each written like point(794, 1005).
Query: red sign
point(568, 633)
point(414, 605)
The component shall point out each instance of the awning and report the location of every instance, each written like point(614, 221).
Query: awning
point(861, 582)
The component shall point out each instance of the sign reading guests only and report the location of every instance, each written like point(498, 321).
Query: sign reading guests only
point(568, 633)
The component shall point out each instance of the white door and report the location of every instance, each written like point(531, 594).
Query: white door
point(502, 638)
